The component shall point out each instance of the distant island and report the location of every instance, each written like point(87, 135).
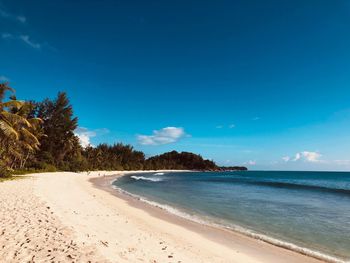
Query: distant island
point(185, 161)
point(233, 168)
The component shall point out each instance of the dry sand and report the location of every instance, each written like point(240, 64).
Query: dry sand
point(30, 230)
point(64, 217)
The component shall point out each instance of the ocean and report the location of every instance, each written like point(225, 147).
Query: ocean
point(304, 211)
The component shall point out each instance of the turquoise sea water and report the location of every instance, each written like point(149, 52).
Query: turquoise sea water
point(303, 210)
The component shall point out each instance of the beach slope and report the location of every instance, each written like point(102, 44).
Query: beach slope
point(65, 217)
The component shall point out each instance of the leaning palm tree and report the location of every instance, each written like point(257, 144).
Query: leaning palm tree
point(29, 133)
point(18, 133)
point(6, 130)
point(8, 135)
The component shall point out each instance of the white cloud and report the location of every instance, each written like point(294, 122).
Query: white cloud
point(256, 118)
point(163, 136)
point(250, 162)
point(4, 79)
point(84, 139)
point(231, 126)
point(85, 135)
point(219, 127)
point(312, 156)
point(297, 157)
point(10, 16)
point(306, 156)
point(286, 158)
point(26, 39)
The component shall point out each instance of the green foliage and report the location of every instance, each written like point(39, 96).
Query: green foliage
point(39, 137)
point(124, 157)
point(113, 157)
point(47, 168)
point(233, 168)
point(4, 172)
point(60, 147)
point(176, 160)
point(19, 136)
point(10, 178)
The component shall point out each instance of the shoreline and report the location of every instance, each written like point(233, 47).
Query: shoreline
point(215, 232)
point(221, 230)
point(68, 217)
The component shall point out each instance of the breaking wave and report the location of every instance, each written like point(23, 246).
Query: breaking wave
point(231, 227)
point(151, 179)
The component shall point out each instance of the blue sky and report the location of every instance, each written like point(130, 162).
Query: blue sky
point(259, 83)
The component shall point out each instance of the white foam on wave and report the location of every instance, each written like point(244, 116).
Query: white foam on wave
point(152, 179)
point(236, 228)
point(159, 174)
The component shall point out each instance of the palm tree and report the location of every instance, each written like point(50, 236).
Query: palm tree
point(29, 132)
point(18, 133)
point(6, 130)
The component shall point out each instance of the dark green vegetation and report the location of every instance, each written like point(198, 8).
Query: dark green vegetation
point(39, 136)
point(20, 132)
point(233, 168)
point(184, 160)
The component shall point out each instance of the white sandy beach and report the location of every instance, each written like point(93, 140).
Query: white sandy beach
point(63, 217)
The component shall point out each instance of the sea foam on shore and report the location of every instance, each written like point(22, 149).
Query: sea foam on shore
point(208, 220)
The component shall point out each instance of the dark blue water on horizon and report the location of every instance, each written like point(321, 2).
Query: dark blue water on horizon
point(308, 209)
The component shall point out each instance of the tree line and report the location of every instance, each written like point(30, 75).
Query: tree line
point(40, 136)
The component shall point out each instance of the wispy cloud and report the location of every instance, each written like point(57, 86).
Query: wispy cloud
point(22, 19)
point(85, 135)
point(286, 158)
point(316, 157)
point(4, 78)
point(306, 156)
point(10, 16)
point(6, 36)
point(230, 126)
point(250, 162)
point(24, 38)
point(163, 136)
point(256, 118)
point(342, 162)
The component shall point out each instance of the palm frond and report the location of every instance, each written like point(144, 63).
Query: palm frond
point(13, 104)
point(8, 130)
point(35, 121)
point(29, 137)
point(15, 119)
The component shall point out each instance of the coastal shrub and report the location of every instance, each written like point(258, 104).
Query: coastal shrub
point(48, 168)
point(43, 167)
point(4, 172)
point(24, 171)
